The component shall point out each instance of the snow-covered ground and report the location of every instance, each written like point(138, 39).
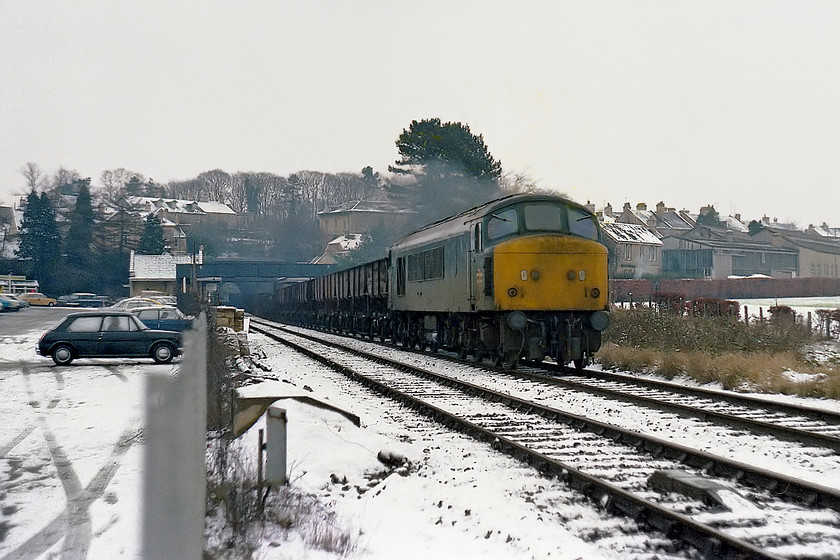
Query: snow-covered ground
point(458, 497)
point(802, 305)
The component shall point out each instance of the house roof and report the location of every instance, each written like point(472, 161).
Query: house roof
point(812, 242)
point(158, 267)
point(155, 205)
point(630, 233)
point(722, 239)
point(367, 206)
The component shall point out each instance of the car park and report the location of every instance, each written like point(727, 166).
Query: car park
point(107, 334)
point(38, 299)
point(163, 317)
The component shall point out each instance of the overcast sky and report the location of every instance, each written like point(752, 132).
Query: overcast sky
point(731, 103)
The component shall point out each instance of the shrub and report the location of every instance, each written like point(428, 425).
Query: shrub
point(719, 349)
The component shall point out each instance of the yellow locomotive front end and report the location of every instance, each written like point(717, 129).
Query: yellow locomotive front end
point(542, 281)
point(550, 273)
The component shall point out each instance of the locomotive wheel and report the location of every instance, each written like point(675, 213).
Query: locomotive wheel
point(506, 360)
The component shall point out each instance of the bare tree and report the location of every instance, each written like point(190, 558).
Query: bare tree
point(63, 177)
point(35, 179)
point(238, 199)
point(270, 188)
point(517, 181)
point(217, 185)
point(114, 180)
point(192, 189)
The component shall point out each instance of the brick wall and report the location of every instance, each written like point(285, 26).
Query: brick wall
point(743, 288)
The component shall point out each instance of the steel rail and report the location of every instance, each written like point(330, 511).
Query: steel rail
point(712, 542)
point(827, 416)
point(778, 484)
point(797, 435)
point(788, 433)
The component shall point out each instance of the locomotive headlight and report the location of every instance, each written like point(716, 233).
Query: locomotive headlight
point(571, 275)
point(599, 320)
point(535, 275)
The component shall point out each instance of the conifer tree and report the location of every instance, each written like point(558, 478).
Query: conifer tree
point(152, 242)
point(77, 246)
point(449, 169)
point(40, 241)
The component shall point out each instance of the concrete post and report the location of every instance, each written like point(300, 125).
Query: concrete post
point(174, 472)
point(275, 446)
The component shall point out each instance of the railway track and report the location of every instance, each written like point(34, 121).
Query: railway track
point(814, 431)
point(809, 426)
point(744, 512)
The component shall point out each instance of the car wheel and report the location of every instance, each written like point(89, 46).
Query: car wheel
point(51, 304)
point(62, 354)
point(162, 353)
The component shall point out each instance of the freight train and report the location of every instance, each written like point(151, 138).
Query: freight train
point(520, 277)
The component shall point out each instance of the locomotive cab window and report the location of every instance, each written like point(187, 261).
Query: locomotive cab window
point(583, 224)
point(503, 223)
point(543, 217)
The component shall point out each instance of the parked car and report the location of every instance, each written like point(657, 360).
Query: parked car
point(15, 299)
point(107, 334)
point(7, 305)
point(163, 317)
point(38, 298)
point(10, 304)
point(83, 299)
point(128, 304)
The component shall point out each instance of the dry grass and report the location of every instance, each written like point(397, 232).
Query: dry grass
point(781, 372)
point(765, 357)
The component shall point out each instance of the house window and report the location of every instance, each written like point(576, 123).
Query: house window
point(652, 254)
point(628, 252)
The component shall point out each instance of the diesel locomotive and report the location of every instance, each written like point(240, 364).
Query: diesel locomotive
point(520, 277)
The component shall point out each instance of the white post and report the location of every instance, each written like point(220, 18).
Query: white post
point(275, 446)
point(174, 473)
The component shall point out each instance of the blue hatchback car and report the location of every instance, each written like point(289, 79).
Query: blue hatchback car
point(163, 318)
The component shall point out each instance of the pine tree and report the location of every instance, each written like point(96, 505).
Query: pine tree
point(152, 242)
point(40, 240)
point(80, 235)
point(450, 169)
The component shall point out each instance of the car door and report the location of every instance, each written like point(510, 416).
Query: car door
point(149, 317)
point(171, 320)
point(120, 336)
point(84, 334)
